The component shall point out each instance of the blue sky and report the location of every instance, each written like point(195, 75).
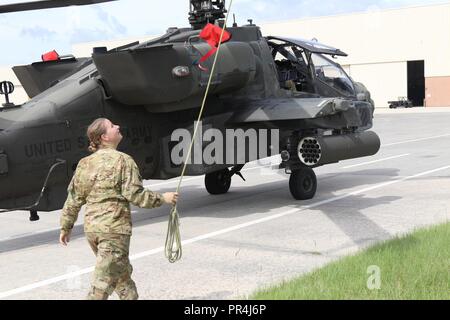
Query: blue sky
point(26, 35)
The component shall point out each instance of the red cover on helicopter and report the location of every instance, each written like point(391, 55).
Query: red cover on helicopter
point(50, 56)
point(211, 34)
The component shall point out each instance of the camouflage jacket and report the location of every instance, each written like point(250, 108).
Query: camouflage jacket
point(107, 182)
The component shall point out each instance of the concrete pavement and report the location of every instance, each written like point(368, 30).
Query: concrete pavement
point(255, 235)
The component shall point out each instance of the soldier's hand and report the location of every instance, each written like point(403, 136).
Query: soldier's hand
point(64, 237)
point(170, 198)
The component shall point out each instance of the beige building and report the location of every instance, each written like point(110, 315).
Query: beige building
point(395, 53)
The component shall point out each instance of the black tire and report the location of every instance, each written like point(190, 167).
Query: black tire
point(303, 184)
point(218, 182)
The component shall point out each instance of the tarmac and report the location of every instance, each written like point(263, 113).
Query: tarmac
point(256, 235)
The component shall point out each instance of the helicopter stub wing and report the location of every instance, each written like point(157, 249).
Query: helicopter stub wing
point(45, 4)
point(357, 113)
point(291, 109)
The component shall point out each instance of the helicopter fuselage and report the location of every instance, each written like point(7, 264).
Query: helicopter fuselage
point(49, 131)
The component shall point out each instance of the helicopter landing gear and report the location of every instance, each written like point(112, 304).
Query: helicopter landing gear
point(303, 184)
point(219, 182)
point(34, 215)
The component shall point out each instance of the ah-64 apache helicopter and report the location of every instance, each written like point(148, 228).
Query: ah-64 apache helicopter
point(153, 88)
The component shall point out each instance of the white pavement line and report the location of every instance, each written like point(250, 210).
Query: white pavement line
point(43, 283)
point(28, 234)
point(375, 161)
point(416, 140)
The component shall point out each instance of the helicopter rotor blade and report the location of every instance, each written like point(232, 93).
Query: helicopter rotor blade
point(46, 4)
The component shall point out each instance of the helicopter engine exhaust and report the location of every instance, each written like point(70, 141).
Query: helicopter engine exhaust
point(318, 151)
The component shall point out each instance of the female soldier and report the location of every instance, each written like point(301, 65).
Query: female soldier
point(108, 181)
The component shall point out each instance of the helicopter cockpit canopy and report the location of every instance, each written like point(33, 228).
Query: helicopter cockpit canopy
point(311, 46)
point(302, 66)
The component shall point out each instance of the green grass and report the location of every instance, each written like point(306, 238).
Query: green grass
point(414, 267)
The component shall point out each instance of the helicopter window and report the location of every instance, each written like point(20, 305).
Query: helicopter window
point(333, 75)
point(292, 69)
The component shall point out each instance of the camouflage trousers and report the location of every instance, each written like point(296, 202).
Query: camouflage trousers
point(113, 269)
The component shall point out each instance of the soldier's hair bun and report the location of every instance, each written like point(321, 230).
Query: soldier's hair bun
point(93, 147)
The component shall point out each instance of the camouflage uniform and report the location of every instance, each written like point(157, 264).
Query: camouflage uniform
point(107, 182)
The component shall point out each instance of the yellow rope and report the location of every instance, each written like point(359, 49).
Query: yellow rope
point(173, 248)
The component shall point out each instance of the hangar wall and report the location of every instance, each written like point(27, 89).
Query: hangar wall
point(437, 91)
point(391, 84)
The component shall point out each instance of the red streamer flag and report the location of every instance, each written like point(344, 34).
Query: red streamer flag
point(211, 34)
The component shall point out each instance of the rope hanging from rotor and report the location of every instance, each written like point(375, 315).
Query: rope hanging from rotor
point(173, 249)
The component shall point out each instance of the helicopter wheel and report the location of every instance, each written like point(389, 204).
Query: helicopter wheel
point(34, 215)
point(303, 184)
point(218, 182)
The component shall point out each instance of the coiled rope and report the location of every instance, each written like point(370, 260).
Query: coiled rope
point(173, 248)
